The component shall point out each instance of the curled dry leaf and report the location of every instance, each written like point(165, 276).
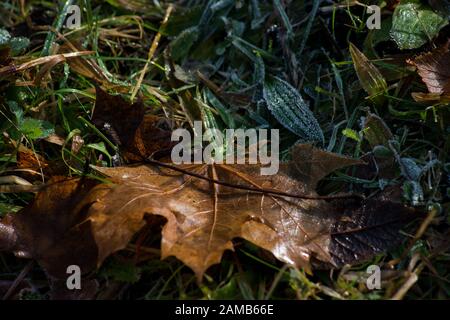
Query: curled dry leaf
point(78, 222)
point(47, 60)
point(138, 135)
point(88, 67)
point(32, 165)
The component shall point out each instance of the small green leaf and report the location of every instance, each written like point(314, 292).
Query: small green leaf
point(414, 24)
point(289, 108)
point(30, 127)
point(100, 146)
point(352, 134)
point(36, 129)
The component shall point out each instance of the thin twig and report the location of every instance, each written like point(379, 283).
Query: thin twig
point(18, 280)
point(257, 190)
point(412, 279)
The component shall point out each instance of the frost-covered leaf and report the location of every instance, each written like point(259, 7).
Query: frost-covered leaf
point(289, 108)
point(181, 45)
point(415, 23)
point(19, 44)
point(410, 169)
point(4, 37)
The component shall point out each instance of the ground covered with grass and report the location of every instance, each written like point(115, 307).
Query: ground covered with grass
point(381, 95)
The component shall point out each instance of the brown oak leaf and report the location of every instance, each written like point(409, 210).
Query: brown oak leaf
point(206, 207)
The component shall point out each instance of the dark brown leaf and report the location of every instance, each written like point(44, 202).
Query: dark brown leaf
point(59, 290)
point(138, 135)
point(53, 229)
point(434, 68)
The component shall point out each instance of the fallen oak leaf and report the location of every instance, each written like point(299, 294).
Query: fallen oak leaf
point(201, 223)
point(112, 230)
point(203, 217)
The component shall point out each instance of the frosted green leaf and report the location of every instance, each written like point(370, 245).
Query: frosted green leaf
point(414, 24)
point(4, 37)
point(410, 169)
point(16, 110)
point(260, 70)
point(18, 44)
point(181, 45)
point(289, 108)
